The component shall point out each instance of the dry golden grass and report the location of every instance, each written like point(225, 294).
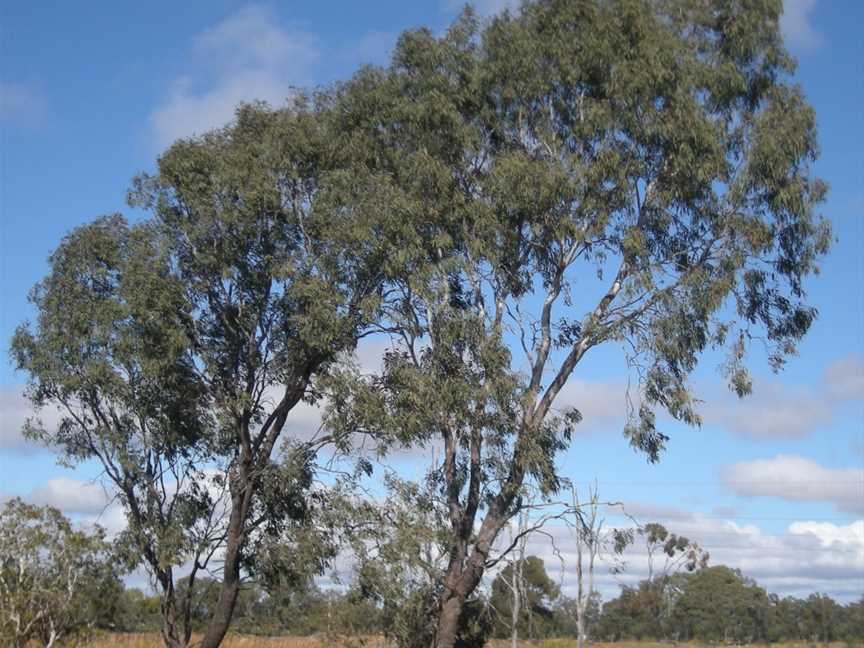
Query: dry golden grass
point(572, 643)
point(239, 641)
point(248, 641)
point(153, 640)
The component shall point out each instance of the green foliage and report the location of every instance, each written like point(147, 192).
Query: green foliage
point(134, 611)
point(175, 348)
point(571, 175)
point(53, 578)
point(538, 593)
point(721, 604)
point(500, 200)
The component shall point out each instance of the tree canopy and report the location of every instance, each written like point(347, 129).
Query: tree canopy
point(658, 146)
point(53, 577)
point(176, 347)
point(538, 592)
point(499, 201)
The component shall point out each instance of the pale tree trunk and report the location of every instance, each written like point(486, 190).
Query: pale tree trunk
point(580, 595)
point(517, 584)
point(448, 622)
point(514, 608)
point(587, 540)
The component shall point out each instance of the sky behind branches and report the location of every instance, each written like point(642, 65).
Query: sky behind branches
point(90, 93)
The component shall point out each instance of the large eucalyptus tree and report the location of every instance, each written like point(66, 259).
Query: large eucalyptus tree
point(659, 145)
point(177, 347)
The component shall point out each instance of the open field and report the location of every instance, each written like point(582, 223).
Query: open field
point(248, 641)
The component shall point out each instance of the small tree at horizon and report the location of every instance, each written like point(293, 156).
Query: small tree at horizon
point(538, 593)
point(53, 577)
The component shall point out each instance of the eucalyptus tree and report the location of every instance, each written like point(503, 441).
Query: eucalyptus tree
point(631, 174)
point(532, 606)
point(176, 348)
point(52, 576)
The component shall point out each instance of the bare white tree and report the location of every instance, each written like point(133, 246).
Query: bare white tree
point(588, 538)
point(593, 542)
point(517, 585)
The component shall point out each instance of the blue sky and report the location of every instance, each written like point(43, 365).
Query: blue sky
point(91, 92)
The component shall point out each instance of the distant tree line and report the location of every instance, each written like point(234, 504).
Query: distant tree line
point(58, 583)
point(721, 604)
point(716, 603)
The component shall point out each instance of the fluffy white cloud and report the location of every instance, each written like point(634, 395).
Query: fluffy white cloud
point(14, 412)
point(772, 411)
point(805, 558)
point(778, 410)
point(22, 105)
point(797, 479)
point(246, 57)
point(797, 26)
point(71, 496)
point(602, 404)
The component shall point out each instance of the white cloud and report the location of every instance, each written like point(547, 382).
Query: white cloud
point(246, 57)
point(778, 410)
point(844, 378)
point(14, 412)
point(772, 411)
point(849, 536)
point(251, 38)
point(797, 479)
point(22, 105)
point(71, 496)
point(807, 557)
point(797, 26)
point(601, 404)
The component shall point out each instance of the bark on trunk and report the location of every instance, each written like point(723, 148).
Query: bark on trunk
point(448, 621)
point(220, 619)
point(171, 633)
point(224, 611)
point(462, 578)
point(254, 456)
point(514, 611)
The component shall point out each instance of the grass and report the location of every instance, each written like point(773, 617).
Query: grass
point(153, 640)
point(248, 641)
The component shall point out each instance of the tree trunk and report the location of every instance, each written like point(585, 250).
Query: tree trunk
point(220, 618)
point(243, 485)
point(514, 608)
point(462, 575)
point(448, 621)
point(461, 579)
point(171, 631)
point(171, 634)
